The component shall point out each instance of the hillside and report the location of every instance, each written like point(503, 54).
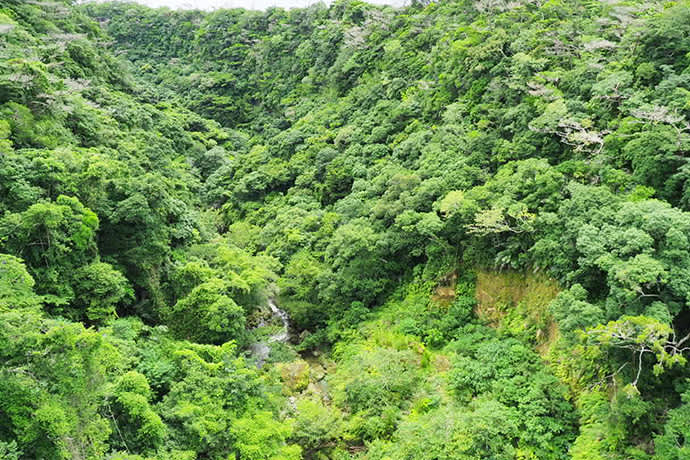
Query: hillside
point(474, 213)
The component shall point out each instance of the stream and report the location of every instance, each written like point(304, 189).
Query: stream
point(261, 350)
point(283, 335)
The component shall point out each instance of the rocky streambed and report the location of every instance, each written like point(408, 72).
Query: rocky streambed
point(261, 349)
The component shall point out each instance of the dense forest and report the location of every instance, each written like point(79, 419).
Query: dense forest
point(454, 230)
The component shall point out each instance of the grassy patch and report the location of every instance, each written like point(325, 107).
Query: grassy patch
point(517, 303)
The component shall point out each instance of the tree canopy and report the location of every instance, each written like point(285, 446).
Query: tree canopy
point(475, 215)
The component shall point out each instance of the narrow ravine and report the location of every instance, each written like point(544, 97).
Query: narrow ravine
point(260, 350)
point(284, 334)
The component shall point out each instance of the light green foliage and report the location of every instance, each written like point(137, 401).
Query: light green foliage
point(641, 335)
point(260, 437)
point(54, 239)
point(597, 438)
point(136, 423)
point(572, 311)
point(365, 168)
point(100, 289)
point(215, 290)
point(384, 378)
point(207, 314)
point(671, 444)
point(317, 426)
point(16, 284)
point(299, 288)
point(510, 373)
point(190, 275)
point(484, 430)
point(9, 450)
point(211, 387)
point(61, 420)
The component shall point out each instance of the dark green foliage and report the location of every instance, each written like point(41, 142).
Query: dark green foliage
point(672, 444)
point(355, 164)
point(54, 239)
point(137, 424)
point(207, 315)
point(16, 285)
point(99, 289)
point(511, 373)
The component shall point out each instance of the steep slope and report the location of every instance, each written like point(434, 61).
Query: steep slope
point(100, 195)
point(372, 168)
point(393, 145)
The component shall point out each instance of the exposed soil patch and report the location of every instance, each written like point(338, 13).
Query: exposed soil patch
point(508, 299)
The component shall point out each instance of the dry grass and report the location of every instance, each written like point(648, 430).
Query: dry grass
point(546, 341)
point(441, 363)
point(444, 293)
point(512, 300)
